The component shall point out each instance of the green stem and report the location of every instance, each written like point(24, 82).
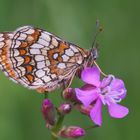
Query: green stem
point(56, 128)
point(45, 95)
point(53, 137)
point(91, 127)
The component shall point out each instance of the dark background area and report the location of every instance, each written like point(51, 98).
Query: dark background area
point(74, 21)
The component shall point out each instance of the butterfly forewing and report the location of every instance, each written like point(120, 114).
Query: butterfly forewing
point(38, 59)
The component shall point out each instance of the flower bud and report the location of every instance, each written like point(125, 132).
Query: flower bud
point(83, 109)
point(48, 111)
point(69, 94)
point(64, 108)
point(72, 132)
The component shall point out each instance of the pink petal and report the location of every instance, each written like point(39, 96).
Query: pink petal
point(96, 113)
point(91, 76)
point(88, 87)
point(106, 81)
point(117, 111)
point(86, 96)
point(118, 85)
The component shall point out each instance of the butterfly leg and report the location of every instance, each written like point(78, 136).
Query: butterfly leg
point(67, 84)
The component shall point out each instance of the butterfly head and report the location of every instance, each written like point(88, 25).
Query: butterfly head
point(94, 52)
point(91, 57)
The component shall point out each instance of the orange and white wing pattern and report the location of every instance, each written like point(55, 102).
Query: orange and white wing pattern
point(38, 59)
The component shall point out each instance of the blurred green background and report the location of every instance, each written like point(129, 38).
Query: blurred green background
point(74, 21)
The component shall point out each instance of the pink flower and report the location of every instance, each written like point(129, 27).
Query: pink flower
point(110, 91)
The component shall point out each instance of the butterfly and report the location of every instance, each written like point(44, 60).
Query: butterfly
point(40, 60)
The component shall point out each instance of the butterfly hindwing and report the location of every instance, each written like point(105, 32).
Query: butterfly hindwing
point(37, 58)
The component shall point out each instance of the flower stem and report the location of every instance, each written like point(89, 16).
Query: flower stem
point(53, 137)
point(45, 95)
point(56, 128)
point(90, 127)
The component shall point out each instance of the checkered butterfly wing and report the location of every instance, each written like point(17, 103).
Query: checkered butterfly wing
point(38, 59)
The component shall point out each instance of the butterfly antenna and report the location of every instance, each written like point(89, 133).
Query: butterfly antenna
point(98, 29)
point(95, 46)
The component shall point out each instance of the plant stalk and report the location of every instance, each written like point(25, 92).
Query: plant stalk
point(56, 128)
